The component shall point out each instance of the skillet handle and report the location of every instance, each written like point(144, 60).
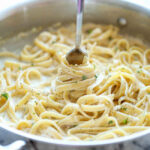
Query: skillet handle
point(17, 145)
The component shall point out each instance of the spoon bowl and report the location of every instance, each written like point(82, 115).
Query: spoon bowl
point(76, 56)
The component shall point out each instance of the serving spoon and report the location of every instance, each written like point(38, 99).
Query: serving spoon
point(76, 55)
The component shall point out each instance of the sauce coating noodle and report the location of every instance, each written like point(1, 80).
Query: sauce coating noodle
point(108, 96)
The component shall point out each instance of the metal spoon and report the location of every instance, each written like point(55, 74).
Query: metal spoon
point(76, 55)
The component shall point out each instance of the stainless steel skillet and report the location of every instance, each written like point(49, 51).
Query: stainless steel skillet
point(18, 16)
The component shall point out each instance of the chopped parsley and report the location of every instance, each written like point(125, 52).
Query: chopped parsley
point(53, 42)
point(36, 102)
point(124, 108)
point(110, 38)
point(110, 122)
point(5, 95)
point(32, 64)
point(94, 66)
point(73, 126)
point(75, 82)
point(125, 121)
point(89, 31)
point(138, 71)
point(116, 49)
point(110, 69)
point(96, 76)
point(19, 68)
point(84, 77)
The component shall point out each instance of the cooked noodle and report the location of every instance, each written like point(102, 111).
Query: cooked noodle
point(108, 96)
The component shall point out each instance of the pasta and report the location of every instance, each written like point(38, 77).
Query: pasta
point(108, 96)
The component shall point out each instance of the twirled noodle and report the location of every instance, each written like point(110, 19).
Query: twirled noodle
point(108, 96)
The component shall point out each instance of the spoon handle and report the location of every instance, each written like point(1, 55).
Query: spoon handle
point(80, 5)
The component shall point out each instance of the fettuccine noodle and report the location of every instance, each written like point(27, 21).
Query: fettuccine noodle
point(108, 96)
